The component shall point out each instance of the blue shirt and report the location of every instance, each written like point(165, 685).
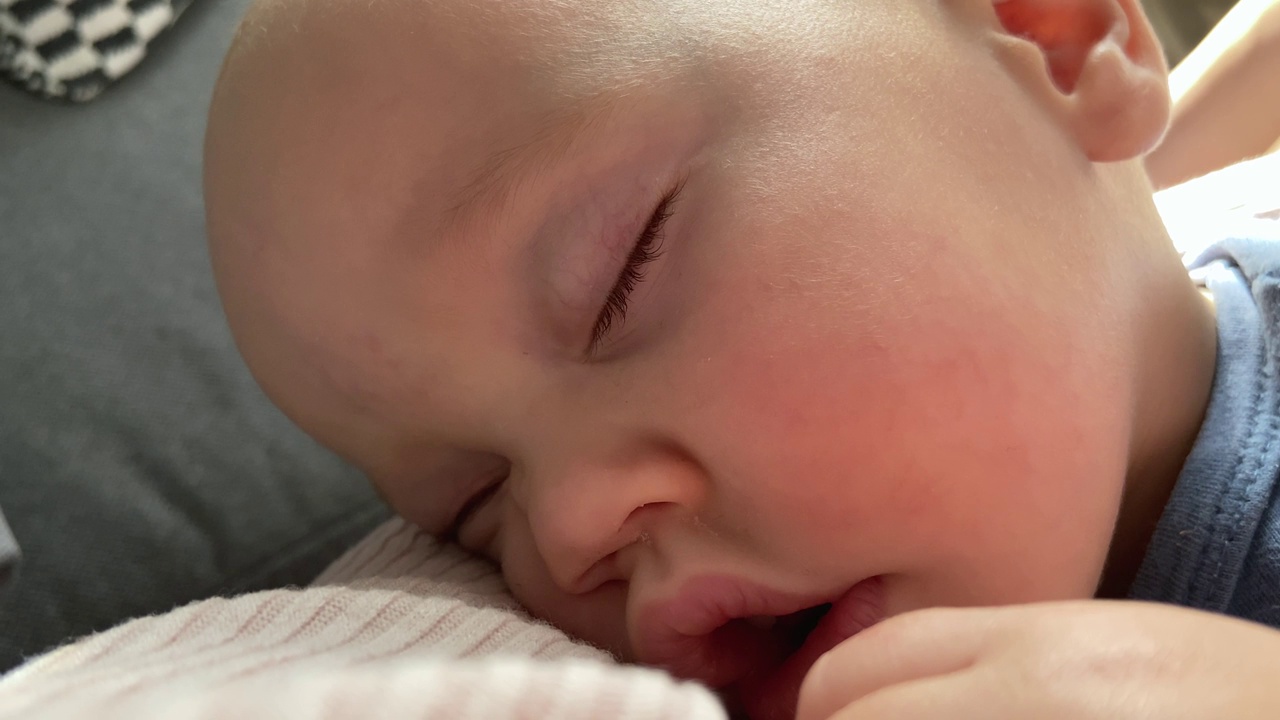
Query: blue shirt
point(1217, 544)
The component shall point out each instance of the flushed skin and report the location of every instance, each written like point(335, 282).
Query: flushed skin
point(913, 317)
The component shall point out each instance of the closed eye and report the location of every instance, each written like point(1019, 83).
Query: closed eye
point(648, 248)
point(472, 506)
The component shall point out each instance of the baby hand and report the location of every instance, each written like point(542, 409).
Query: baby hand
point(1075, 660)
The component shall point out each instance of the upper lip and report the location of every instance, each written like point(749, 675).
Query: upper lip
point(691, 633)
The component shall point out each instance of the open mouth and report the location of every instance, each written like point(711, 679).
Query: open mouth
point(792, 630)
point(753, 644)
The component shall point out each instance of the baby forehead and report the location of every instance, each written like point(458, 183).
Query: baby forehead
point(450, 68)
point(574, 47)
point(450, 86)
point(553, 35)
point(391, 114)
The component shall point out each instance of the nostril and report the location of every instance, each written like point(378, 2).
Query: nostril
point(638, 520)
point(602, 572)
point(581, 526)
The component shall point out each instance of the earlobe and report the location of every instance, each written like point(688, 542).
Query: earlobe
point(1096, 64)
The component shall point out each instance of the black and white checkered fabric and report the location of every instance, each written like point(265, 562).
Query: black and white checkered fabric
point(72, 49)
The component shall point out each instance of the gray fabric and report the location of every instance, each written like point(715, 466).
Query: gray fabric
point(1182, 24)
point(9, 554)
point(1217, 545)
point(140, 467)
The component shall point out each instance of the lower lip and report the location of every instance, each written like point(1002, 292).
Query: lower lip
point(774, 697)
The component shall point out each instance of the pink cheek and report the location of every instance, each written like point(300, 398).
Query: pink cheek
point(804, 422)
point(860, 429)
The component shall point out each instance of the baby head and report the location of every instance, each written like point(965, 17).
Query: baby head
point(690, 311)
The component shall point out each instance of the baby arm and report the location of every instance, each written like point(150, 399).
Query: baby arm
point(1226, 97)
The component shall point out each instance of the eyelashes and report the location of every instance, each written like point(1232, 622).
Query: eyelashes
point(648, 248)
point(472, 506)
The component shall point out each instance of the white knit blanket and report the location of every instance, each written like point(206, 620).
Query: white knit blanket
point(399, 627)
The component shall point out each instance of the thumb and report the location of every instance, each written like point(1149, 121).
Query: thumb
point(913, 646)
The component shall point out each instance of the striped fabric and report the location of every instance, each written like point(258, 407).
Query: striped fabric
point(400, 627)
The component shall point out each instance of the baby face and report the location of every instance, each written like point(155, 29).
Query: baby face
point(686, 314)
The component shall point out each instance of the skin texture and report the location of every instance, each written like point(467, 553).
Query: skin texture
point(914, 315)
point(1057, 661)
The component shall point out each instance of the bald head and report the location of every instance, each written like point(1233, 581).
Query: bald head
point(347, 141)
point(396, 190)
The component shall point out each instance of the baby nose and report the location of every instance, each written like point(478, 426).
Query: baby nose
point(589, 521)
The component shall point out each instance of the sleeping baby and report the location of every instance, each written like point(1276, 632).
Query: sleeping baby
point(731, 329)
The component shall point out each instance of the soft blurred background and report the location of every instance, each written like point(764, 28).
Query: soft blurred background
point(1181, 24)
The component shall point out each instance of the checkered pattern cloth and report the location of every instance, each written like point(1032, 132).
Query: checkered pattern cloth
point(73, 49)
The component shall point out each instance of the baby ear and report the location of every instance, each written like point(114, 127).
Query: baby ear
point(1094, 64)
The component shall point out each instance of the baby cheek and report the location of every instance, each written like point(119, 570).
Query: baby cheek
point(807, 427)
point(870, 428)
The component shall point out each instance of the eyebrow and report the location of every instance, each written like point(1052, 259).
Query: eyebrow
point(489, 192)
